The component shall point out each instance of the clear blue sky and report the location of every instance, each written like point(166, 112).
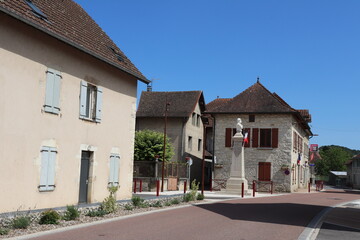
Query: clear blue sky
point(306, 51)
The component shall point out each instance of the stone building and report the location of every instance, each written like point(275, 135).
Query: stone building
point(67, 103)
point(278, 136)
point(185, 126)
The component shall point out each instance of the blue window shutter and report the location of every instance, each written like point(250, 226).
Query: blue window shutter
point(99, 95)
point(56, 94)
point(51, 169)
point(47, 175)
point(52, 95)
point(83, 96)
point(116, 170)
point(44, 168)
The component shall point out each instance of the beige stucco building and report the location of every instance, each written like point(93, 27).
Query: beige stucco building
point(278, 139)
point(67, 108)
point(184, 123)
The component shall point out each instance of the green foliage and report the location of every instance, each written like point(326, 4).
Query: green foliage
point(175, 201)
point(109, 204)
point(157, 204)
point(191, 196)
point(149, 143)
point(137, 201)
point(4, 231)
point(21, 222)
point(49, 217)
point(167, 203)
point(129, 207)
point(96, 213)
point(71, 213)
point(333, 159)
point(144, 205)
point(200, 197)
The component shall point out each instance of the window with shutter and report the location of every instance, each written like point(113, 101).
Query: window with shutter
point(47, 173)
point(52, 94)
point(274, 137)
point(264, 171)
point(228, 136)
point(114, 170)
point(255, 137)
point(265, 137)
point(90, 102)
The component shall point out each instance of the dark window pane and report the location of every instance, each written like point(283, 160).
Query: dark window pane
point(265, 137)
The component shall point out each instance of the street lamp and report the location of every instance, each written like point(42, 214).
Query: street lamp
point(164, 149)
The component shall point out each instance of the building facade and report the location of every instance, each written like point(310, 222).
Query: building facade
point(278, 137)
point(67, 108)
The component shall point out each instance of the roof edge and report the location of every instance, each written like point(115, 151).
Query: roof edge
point(56, 36)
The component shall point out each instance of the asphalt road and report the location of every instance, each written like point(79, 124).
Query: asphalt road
point(278, 217)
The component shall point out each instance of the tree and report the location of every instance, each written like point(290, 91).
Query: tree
point(149, 144)
point(333, 159)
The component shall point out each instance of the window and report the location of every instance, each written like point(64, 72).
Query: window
point(47, 174)
point(90, 102)
point(229, 133)
point(251, 118)
point(193, 119)
point(114, 170)
point(198, 120)
point(36, 10)
point(190, 143)
point(264, 171)
point(199, 144)
point(265, 137)
point(52, 94)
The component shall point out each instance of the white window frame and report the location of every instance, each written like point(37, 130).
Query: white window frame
point(90, 102)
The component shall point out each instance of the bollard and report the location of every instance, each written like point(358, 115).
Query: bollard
point(211, 185)
point(140, 190)
point(271, 187)
point(185, 183)
point(254, 189)
point(309, 187)
point(135, 186)
point(157, 187)
point(242, 190)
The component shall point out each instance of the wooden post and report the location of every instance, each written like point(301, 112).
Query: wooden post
point(140, 185)
point(185, 183)
point(254, 188)
point(135, 186)
point(157, 187)
point(242, 190)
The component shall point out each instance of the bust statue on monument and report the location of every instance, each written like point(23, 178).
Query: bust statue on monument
point(239, 127)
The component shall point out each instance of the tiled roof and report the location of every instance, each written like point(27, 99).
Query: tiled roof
point(255, 99)
point(217, 103)
point(68, 22)
point(182, 104)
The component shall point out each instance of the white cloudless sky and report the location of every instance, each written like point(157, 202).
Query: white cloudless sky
point(306, 51)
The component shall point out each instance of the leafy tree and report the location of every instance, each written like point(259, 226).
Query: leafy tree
point(333, 159)
point(150, 143)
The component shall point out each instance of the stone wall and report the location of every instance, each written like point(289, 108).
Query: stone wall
point(278, 157)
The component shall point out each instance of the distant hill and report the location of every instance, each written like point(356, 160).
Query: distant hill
point(351, 152)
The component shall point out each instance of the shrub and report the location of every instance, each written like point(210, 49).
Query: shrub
point(109, 204)
point(71, 213)
point(96, 213)
point(136, 201)
point(21, 222)
point(194, 190)
point(129, 207)
point(157, 204)
point(144, 205)
point(167, 203)
point(188, 197)
point(4, 231)
point(175, 201)
point(49, 217)
point(200, 197)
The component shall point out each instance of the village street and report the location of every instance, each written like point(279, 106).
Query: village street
point(277, 217)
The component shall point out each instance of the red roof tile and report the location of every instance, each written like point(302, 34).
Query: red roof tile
point(182, 103)
point(68, 22)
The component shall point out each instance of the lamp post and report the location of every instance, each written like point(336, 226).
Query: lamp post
point(164, 149)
